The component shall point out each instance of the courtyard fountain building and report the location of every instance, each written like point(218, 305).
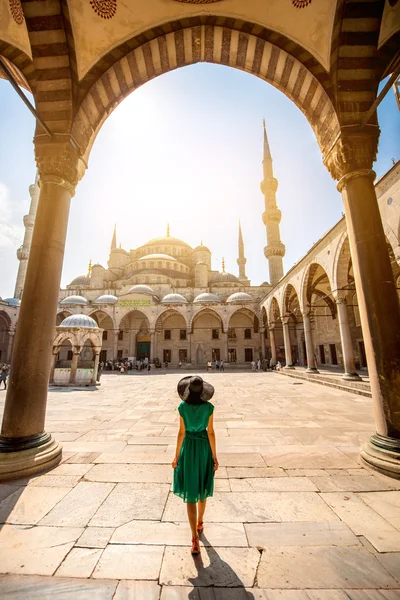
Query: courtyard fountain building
point(163, 300)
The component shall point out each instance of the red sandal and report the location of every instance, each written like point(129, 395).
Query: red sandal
point(195, 546)
point(200, 527)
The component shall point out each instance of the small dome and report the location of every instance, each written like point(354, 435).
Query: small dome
point(74, 301)
point(106, 299)
point(202, 248)
point(13, 301)
point(142, 289)
point(97, 265)
point(81, 280)
point(201, 262)
point(174, 299)
point(79, 321)
point(224, 278)
point(264, 283)
point(206, 297)
point(240, 297)
point(158, 257)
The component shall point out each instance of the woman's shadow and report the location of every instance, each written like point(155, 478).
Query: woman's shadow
point(218, 574)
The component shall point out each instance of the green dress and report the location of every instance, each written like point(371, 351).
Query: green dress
point(194, 475)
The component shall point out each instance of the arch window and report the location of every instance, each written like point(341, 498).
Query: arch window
point(175, 267)
point(168, 265)
point(182, 268)
point(247, 334)
point(178, 284)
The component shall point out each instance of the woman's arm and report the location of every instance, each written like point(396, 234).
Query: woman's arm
point(212, 440)
point(179, 442)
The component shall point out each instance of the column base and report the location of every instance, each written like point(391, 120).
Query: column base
point(351, 377)
point(288, 367)
point(382, 454)
point(312, 370)
point(22, 457)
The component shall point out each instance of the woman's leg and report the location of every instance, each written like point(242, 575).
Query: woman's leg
point(201, 509)
point(192, 516)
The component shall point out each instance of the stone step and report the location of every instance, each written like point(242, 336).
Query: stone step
point(355, 387)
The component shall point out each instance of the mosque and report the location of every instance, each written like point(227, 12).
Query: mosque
point(164, 301)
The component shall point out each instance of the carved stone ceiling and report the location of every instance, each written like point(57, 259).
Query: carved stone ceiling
point(101, 25)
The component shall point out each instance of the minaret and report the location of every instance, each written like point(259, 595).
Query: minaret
point(114, 239)
point(274, 251)
point(241, 261)
point(23, 251)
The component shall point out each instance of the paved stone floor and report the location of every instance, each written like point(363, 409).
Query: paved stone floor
point(294, 515)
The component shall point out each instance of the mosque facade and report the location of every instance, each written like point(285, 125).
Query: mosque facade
point(163, 300)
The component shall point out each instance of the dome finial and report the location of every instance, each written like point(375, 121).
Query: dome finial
point(168, 231)
point(89, 271)
point(223, 265)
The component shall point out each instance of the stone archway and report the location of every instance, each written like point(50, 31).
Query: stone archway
point(134, 336)
point(334, 110)
point(209, 340)
point(172, 338)
point(205, 43)
point(5, 338)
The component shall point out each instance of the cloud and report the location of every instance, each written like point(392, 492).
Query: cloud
point(11, 235)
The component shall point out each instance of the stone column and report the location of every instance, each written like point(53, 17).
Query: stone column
point(311, 366)
point(53, 364)
point(25, 447)
point(11, 335)
point(96, 366)
point(115, 345)
point(74, 364)
point(189, 347)
point(349, 161)
point(273, 344)
point(132, 342)
point(224, 347)
point(345, 338)
point(152, 345)
point(286, 341)
point(262, 342)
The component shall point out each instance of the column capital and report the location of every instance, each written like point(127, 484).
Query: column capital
point(352, 153)
point(341, 299)
point(271, 327)
point(58, 160)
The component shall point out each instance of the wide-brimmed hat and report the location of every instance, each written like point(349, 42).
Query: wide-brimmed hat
point(195, 385)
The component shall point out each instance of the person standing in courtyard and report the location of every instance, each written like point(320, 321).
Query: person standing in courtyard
point(195, 459)
point(4, 375)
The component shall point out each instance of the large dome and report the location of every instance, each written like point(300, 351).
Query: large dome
point(224, 278)
point(174, 299)
point(79, 321)
point(202, 249)
point(239, 297)
point(206, 297)
point(74, 301)
point(168, 240)
point(81, 280)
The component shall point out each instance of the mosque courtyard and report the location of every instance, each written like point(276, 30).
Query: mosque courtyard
point(294, 514)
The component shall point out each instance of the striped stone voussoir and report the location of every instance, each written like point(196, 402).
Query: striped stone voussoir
point(206, 43)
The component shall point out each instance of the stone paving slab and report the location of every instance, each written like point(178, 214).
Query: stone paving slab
point(300, 534)
point(220, 567)
point(80, 562)
point(77, 508)
point(28, 505)
point(273, 484)
point(306, 457)
point(95, 537)
point(130, 562)
point(130, 501)
point(35, 550)
point(322, 567)
point(60, 588)
point(137, 590)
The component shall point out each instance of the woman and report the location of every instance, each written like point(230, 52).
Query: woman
point(196, 457)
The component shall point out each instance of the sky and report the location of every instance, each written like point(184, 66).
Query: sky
point(185, 149)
